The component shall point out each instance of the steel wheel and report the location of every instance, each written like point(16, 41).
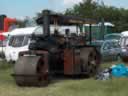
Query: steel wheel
point(92, 64)
point(29, 71)
point(90, 61)
point(42, 72)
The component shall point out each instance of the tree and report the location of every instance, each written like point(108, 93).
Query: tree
point(85, 9)
point(95, 10)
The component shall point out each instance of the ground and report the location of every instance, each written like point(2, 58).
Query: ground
point(70, 87)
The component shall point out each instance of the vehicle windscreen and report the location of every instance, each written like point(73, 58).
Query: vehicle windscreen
point(111, 45)
point(18, 41)
point(115, 45)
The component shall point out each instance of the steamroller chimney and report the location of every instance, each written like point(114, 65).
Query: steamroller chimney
point(46, 22)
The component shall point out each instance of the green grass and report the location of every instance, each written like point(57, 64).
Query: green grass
point(83, 87)
point(109, 64)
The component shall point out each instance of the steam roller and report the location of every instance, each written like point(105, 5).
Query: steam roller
point(55, 54)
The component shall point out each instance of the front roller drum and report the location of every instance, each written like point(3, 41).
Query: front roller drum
point(31, 71)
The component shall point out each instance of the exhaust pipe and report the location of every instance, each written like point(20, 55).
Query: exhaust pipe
point(46, 22)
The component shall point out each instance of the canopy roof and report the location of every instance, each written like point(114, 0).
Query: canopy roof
point(61, 19)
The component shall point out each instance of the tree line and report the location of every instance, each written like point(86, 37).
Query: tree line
point(100, 11)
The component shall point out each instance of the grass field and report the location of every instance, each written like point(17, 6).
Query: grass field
point(83, 87)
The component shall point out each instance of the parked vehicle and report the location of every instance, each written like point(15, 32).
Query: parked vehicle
point(124, 45)
point(111, 36)
point(109, 49)
point(18, 41)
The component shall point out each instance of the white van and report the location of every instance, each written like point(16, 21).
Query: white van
point(18, 41)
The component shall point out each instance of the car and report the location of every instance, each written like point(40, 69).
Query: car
point(109, 49)
point(112, 36)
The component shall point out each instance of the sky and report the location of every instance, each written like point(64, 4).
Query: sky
point(22, 8)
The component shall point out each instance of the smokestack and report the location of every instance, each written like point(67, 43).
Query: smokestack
point(46, 23)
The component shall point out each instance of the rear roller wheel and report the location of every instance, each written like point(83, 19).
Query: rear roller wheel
point(90, 61)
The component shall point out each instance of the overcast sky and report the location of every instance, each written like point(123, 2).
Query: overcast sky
point(21, 8)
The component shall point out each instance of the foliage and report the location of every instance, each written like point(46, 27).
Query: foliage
point(20, 24)
point(26, 22)
point(98, 11)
